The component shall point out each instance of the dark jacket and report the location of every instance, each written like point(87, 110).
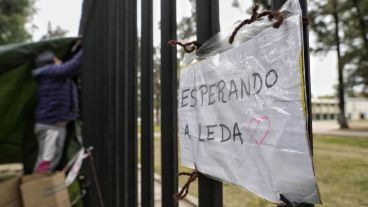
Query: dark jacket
point(57, 98)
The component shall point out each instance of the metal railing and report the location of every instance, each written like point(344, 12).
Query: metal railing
point(109, 99)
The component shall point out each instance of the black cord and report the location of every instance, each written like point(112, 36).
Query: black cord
point(95, 179)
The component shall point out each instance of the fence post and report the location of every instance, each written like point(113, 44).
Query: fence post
point(210, 191)
point(147, 132)
point(275, 5)
point(304, 6)
point(130, 136)
point(169, 137)
point(103, 100)
point(109, 97)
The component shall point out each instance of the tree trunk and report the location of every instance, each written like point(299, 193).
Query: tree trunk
point(342, 118)
point(158, 111)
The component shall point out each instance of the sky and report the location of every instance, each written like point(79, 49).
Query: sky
point(66, 14)
point(63, 13)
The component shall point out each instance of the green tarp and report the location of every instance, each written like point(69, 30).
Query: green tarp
point(18, 98)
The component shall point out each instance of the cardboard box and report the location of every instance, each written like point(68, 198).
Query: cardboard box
point(10, 193)
point(44, 190)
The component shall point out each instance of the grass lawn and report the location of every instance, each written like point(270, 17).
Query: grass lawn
point(342, 170)
point(341, 165)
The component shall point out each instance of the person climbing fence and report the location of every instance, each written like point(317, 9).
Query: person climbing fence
point(57, 104)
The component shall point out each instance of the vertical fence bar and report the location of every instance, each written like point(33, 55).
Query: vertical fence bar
point(97, 106)
point(208, 22)
point(169, 143)
point(108, 95)
point(101, 92)
point(88, 111)
point(147, 132)
point(306, 58)
point(121, 86)
point(275, 5)
point(130, 55)
point(210, 191)
point(112, 107)
point(304, 6)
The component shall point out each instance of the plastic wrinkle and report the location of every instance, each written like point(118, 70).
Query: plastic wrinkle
point(219, 42)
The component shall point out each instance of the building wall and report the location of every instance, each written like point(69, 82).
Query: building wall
point(328, 109)
point(357, 109)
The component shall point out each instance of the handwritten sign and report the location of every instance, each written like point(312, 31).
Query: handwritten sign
point(242, 116)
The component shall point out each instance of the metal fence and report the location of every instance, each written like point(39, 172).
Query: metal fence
point(109, 100)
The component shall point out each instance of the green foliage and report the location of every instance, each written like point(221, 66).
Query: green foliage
point(358, 142)
point(14, 14)
point(187, 28)
point(265, 5)
point(75, 194)
point(353, 22)
point(187, 25)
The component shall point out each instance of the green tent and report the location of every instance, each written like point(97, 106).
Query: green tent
point(18, 98)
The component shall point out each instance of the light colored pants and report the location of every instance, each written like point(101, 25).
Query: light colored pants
point(51, 141)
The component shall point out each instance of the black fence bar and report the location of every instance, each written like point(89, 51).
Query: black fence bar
point(110, 101)
point(120, 93)
point(88, 111)
point(276, 4)
point(104, 104)
point(147, 132)
point(208, 22)
point(210, 191)
point(304, 6)
point(92, 85)
point(169, 140)
point(130, 56)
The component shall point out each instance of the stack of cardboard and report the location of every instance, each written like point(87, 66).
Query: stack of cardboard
point(10, 193)
point(36, 190)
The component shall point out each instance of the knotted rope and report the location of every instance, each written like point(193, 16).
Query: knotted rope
point(277, 15)
point(188, 47)
point(184, 191)
point(272, 15)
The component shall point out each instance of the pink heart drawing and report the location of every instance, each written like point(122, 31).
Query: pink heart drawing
point(257, 120)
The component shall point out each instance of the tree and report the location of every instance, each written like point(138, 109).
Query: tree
point(157, 83)
point(187, 28)
point(356, 41)
point(266, 4)
point(14, 14)
point(340, 25)
point(342, 118)
point(54, 33)
point(186, 32)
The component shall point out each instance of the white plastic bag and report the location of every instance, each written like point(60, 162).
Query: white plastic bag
point(242, 116)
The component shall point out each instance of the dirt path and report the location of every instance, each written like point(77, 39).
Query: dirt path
point(357, 128)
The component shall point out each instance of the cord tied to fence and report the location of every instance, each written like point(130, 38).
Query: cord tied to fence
point(305, 20)
point(188, 47)
point(272, 15)
point(185, 189)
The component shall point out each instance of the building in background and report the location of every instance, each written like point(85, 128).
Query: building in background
point(328, 108)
